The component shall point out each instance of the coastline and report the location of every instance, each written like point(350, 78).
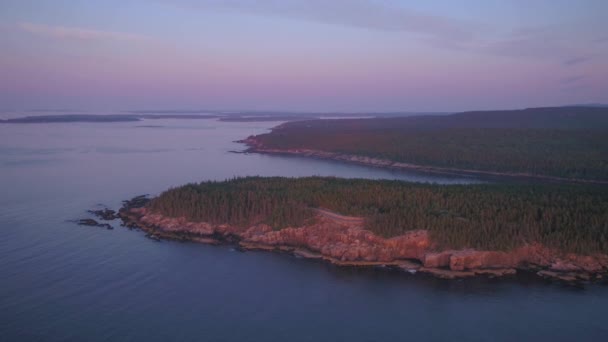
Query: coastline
point(255, 146)
point(349, 245)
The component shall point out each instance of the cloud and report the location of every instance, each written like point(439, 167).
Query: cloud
point(74, 33)
point(387, 15)
point(574, 88)
point(576, 60)
point(533, 43)
point(571, 79)
point(601, 40)
point(523, 43)
point(575, 83)
point(561, 46)
point(378, 15)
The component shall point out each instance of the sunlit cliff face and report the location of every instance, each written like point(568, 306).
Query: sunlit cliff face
point(302, 55)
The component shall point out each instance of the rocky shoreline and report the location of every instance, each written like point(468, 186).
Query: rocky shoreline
point(256, 146)
point(349, 244)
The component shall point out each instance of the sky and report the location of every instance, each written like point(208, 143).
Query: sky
point(302, 55)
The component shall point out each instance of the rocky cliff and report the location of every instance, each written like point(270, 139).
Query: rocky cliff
point(346, 242)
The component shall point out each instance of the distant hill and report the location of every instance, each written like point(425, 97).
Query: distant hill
point(540, 118)
point(593, 105)
point(550, 117)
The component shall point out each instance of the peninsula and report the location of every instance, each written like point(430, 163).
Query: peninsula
point(557, 231)
point(559, 144)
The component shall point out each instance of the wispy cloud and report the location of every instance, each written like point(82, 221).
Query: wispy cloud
point(542, 43)
point(378, 15)
point(523, 43)
point(571, 79)
point(601, 40)
point(576, 60)
point(574, 83)
point(439, 31)
point(75, 33)
point(574, 88)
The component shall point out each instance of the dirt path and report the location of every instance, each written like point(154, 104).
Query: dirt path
point(340, 218)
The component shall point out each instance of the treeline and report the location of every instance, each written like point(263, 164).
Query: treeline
point(562, 142)
point(498, 216)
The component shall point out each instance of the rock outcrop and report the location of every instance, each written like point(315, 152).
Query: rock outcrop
point(92, 223)
point(346, 242)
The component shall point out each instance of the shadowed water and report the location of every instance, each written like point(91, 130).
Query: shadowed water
point(62, 282)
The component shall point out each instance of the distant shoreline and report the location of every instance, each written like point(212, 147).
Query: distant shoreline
point(256, 146)
point(561, 144)
point(244, 116)
point(73, 118)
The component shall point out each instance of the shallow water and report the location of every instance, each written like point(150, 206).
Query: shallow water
point(62, 282)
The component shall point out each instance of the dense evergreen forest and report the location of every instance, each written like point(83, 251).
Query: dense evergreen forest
point(563, 142)
point(487, 216)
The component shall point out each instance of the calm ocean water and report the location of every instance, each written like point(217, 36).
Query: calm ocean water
point(62, 282)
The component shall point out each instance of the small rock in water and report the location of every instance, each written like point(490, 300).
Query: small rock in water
point(92, 223)
point(136, 202)
point(87, 222)
point(153, 237)
point(132, 225)
point(105, 214)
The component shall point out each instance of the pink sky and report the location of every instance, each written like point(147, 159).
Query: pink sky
point(302, 55)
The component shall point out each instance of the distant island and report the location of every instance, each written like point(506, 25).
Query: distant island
point(556, 231)
point(69, 118)
point(565, 144)
point(194, 115)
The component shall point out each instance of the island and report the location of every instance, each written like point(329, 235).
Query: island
point(99, 118)
point(558, 231)
point(556, 144)
point(135, 116)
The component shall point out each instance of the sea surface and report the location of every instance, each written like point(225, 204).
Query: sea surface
point(63, 282)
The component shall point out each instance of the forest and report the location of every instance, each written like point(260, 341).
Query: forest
point(485, 216)
point(565, 142)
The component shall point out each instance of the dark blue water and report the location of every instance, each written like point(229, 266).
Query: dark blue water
point(62, 282)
